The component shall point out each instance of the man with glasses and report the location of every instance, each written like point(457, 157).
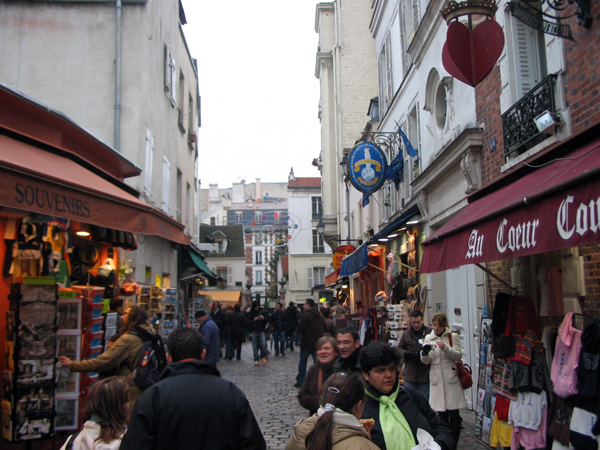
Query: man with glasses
point(348, 343)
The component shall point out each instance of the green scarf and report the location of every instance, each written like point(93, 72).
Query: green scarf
point(396, 430)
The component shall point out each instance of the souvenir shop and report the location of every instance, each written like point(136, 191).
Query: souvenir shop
point(535, 233)
point(385, 279)
point(65, 216)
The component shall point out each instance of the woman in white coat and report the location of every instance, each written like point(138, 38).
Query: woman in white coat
point(446, 395)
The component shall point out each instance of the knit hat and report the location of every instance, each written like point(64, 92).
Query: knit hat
point(200, 313)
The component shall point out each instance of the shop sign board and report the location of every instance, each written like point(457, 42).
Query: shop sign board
point(568, 219)
point(354, 262)
point(340, 253)
point(367, 165)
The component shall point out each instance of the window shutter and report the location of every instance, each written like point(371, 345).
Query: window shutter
point(173, 82)
point(309, 274)
point(388, 69)
point(167, 70)
point(382, 87)
point(229, 275)
point(165, 186)
point(527, 61)
point(148, 163)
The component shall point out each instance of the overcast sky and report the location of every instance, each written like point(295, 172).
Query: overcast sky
point(256, 70)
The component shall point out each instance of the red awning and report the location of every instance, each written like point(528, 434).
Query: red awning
point(555, 207)
point(332, 277)
point(35, 180)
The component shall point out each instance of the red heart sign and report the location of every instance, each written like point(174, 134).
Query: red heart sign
point(470, 55)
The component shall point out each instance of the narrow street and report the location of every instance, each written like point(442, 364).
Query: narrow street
point(270, 390)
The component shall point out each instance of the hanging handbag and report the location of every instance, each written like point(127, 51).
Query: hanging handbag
point(463, 371)
point(107, 269)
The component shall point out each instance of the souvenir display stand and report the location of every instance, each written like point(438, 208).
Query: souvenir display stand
point(169, 309)
point(29, 386)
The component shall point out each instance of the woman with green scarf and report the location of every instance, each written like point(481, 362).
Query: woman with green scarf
point(398, 411)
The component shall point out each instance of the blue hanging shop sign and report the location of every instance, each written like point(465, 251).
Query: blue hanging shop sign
point(367, 166)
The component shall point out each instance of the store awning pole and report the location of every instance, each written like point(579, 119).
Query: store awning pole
point(495, 277)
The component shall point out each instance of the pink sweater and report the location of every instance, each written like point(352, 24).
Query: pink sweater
point(566, 358)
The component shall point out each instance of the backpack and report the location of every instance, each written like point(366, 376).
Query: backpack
point(153, 359)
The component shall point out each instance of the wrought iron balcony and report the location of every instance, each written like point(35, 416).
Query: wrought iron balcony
point(520, 131)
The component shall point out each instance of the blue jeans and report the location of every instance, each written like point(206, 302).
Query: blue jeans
point(304, 354)
point(289, 337)
point(279, 339)
point(423, 388)
point(258, 341)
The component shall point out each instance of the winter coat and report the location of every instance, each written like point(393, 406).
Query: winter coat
point(330, 328)
point(417, 413)
point(124, 354)
point(348, 365)
point(414, 370)
point(86, 439)
point(312, 327)
point(309, 396)
point(445, 391)
point(277, 321)
point(210, 333)
point(257, 326)
point(237, 322)
point(342, 437)
point(290, 316)
point(193, 407)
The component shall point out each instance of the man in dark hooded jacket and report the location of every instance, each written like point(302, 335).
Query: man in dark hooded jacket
point(312, 327)
point(192, 406)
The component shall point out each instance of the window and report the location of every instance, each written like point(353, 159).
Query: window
point(258, 239)
point(190, 121)
point(259, 277)
point(258, 257)
point(318, 246)
point(317, 207)
point(316, 276)
point(384, 65)
point(148, 164)
point(257, 216)
point(238, 217)
point(188, 213)
point(222, 272)
point(180, 97)
point(170, 76)
point(165, 185)
point(178, 214)
point(267, 194)
point(213, 221)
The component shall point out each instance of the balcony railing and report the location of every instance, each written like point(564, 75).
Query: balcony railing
point(520, 131)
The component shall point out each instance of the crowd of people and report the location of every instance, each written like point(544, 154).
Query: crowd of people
point(353, 394)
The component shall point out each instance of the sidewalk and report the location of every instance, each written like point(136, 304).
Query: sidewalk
point(271, 393)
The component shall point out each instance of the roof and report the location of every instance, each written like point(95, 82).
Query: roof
point(305, 182)
point(235, 234)
point(284, 265)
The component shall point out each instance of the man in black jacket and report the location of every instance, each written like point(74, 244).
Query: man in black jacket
point(312, 327)
point(192, 406)
point(278, 325)
point(348, 342)
point(290, 317)
point(379, 363)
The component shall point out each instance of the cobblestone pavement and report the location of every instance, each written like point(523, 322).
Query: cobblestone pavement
point(270, 390)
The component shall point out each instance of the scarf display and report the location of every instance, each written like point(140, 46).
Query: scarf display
point(396, 430)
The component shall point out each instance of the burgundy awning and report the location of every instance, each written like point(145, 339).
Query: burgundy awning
point(555, 207)
point(35, 180)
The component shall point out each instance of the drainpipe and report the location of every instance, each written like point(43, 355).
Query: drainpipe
point(118, 35)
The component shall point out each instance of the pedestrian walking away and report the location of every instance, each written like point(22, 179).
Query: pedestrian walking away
point(192, 406)
point(237, 323)
point(312, 327)
point(291, 312)
point(104, 416)
point(210, 333)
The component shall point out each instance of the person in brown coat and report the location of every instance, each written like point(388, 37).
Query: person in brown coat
point(124, 353)
point(312, 327)
point(329, 325)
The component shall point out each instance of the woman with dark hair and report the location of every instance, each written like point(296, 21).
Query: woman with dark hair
point(105, 414)
point(441, 349)
point(124, 353)
point(311, 392)
point(335, 426)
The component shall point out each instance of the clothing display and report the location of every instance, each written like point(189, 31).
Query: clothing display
point(526, 410)
point(500, 433)
point(530, 439)
point(566, 358)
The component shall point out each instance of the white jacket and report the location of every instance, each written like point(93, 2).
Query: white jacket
point(86, 440)
point(445, 391)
